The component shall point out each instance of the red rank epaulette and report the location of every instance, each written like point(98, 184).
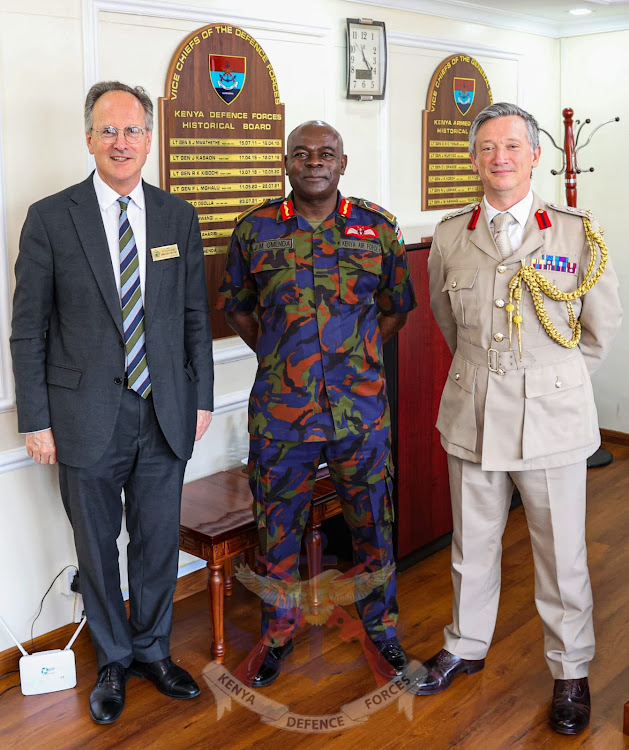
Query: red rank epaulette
point(542, 219)
point(287, 209)
point(474, 219)
point(345, 207)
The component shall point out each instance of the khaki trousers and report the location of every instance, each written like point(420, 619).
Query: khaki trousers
point(554, 503)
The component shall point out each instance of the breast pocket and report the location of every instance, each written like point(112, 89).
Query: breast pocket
point(274, 272)
point(462, 288)
point(359, 272)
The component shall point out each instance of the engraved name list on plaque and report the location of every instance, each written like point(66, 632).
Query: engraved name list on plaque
point(458, 91)
point(221, 137)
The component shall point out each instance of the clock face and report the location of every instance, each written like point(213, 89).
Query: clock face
point(366, 59)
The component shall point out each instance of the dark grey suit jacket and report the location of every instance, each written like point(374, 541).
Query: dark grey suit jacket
point(67, 338)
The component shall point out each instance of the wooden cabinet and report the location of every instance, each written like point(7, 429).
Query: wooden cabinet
point(417, 363)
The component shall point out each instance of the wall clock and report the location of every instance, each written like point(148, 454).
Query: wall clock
point(366, 59)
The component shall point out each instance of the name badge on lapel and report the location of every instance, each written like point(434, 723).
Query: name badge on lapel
point(164, 252)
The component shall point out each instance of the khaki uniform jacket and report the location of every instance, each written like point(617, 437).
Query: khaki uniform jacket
point(507, 414)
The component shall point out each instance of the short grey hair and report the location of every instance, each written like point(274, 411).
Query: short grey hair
point(98, 89)
point(505, 109)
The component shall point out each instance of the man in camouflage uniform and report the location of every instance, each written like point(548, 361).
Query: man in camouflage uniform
point(314, 284)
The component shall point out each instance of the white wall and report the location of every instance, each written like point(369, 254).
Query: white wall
point(49, 48)
point(594, 84)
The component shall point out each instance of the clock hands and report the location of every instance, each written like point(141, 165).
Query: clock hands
point(362, 49)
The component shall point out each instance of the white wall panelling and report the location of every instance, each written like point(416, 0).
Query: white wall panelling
point(452, 46)
point(160, 9)
point(7, 399)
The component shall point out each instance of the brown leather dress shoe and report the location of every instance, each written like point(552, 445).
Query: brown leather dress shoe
point(570, 712)
point(441, 669)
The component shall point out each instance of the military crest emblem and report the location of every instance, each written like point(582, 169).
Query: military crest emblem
point(227, 75)
point(464, 90)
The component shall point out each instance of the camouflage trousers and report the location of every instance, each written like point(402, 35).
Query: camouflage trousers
point(282, 476)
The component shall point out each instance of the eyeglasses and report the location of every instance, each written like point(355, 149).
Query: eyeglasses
point(109, 134)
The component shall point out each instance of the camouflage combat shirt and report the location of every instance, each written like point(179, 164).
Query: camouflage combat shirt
point(317, 294)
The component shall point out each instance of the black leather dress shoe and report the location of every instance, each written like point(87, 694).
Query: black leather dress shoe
point(391, 649)
point(271, 665)
point(107, 698)
point(169, 679)
point(441, 669)
point(570, 712)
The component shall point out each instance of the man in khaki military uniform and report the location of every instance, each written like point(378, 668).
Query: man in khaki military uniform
point(517, 407)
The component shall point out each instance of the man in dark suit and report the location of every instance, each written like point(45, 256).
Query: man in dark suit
point(112, 358)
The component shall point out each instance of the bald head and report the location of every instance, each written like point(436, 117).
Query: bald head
point(313, 124)
point(314, 163)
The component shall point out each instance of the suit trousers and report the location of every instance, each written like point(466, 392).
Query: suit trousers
point(282, 475)
point(139, 461)
point(554, 503)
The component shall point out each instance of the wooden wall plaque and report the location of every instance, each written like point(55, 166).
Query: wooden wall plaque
point(221, 138)
point(458, 91)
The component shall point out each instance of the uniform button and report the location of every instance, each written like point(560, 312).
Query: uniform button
point(498, 337)
point(453, 284)
point(457, 376)
point(118, 381)
point(121, 344)
point(558, 384)
point(501, 269)
point(499, 303)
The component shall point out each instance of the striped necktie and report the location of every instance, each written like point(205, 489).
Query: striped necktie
point(501, 223)
point(132, 308)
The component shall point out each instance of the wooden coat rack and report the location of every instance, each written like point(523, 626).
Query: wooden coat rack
point(570, 150)
point(571, 169)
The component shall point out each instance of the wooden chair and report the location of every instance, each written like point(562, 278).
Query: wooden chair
point(217, 524)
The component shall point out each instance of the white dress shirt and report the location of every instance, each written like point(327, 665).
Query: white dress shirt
point(110, 212)
point(520, 213)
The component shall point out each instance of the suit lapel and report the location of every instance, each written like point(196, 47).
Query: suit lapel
point(89, 226)
point(156, 234)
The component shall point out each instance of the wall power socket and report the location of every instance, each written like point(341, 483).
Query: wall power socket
point(66, 580)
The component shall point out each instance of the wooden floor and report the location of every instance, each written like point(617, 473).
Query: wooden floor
point(505, 706)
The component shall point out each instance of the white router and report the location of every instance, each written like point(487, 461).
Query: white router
point(47, 671)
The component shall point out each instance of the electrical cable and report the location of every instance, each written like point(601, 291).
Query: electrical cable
point(6, 674)
point(41, 603)
point(9, 688)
